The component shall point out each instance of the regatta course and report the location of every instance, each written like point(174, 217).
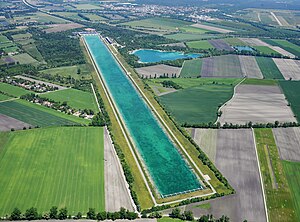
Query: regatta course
point(167, 168)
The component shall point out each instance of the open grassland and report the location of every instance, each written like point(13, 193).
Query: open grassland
point(21, 36)
point(201, 44)
point(72, 71)
point(37, 115)
point(24, 58)
point(265, 50)
point(158, 24)
point(197, 104)
point(13, 90)
point(268, 68)
point(75, 98)
point(191, 68)
point(61, 167)
point(288, 46)
point(291, 90)
point(86, 6)
point(278, 194)
point(292, 172)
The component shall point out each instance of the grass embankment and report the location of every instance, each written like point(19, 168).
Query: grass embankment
point(189, 147)
point(138, 185)
point(61, 167)
point(268, 68)
point(291, 90)
point(278, 194)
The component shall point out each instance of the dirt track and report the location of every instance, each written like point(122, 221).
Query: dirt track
point(116, 193)
point(258, 104)
point(288, 143)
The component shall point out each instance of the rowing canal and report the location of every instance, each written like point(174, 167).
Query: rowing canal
point(167, 168)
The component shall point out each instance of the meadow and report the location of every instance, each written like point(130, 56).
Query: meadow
point(197, 104)
point(291, 90)
point(24, 58)
point(61, 167)
point(201, 44)
point(191, 68)
point(292, 172)
point(75, 98)
point(37, 115)
point(268, 68)
point(13, 90)
point(278, 194)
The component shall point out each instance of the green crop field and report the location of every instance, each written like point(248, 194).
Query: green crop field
point(33, 51)
point(75, 98)
point(265, 82)
point(268, 68)
point(191, 68)
point(288, 46)
point(3, 39)
point(24, 58)
point(279, 197)
point(86, 6)
point(291, 90)
point(61, 167)
point(13, 90)
point(292, 172)
point(166, 24)
point(202, 44)
point(235, 42)
point(265, 50)
point(70, 71)
point(198, 104)
point(187, 36)
point(4, 97)
point(37, 115)
point(191, 29)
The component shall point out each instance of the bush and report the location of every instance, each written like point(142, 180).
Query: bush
point(16, 214)
point(31, 214)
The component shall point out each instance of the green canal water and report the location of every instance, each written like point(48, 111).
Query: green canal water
point(167, 168)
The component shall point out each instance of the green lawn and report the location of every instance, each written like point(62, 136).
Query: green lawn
point(198, 104)
point(70, 71)
point(292, 172)
point(265, 50)
point(13, 90)
point(291, 90)
point(288, 46)
point(279, 197)
point(268, 68)
point(191, 68)
point(38, 115)
point(75, 98)
point(202, 44)
point(48, 167)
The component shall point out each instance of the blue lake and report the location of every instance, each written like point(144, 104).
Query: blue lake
point(151, 55)
point(167, 168)
point(244, 48)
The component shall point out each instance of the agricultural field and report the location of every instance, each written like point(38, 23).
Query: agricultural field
point(72, 71)
point(220, 44)
point(4, 97)
point(250, 67)
point(226, 66)
point(235, 42)
point(211, 27)
point(197, 104)
point(279, 196)
point(292, 172)
point(75, 98)
point(18, 37)
point(258, 104)
point(233, 152)
point(66, 154)
point(7, 123)
point(39, 17)
point(37, 115)
point(62, 27)
point(201, 44)
point(24, 58)
point(268, 68)
point(188, 36)
point(288, 143)
point(284, 44)
point(265, 50)
point(291, 90)
point(11, 90)
point(157, 71)
point(289, 68)
point(191, 68)
point(86, 6)
point(33, 51)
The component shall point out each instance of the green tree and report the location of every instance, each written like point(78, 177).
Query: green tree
point(63, 213)
point(16, 214)
point(78, 215)
point(31, 214)
point(102, 216)
point(175, 213)
point(188, 215)
point(91, 214)
point(53, 213)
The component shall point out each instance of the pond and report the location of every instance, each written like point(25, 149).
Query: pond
point(151, 55)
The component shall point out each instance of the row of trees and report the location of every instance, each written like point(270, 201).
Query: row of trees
point(62, 214)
